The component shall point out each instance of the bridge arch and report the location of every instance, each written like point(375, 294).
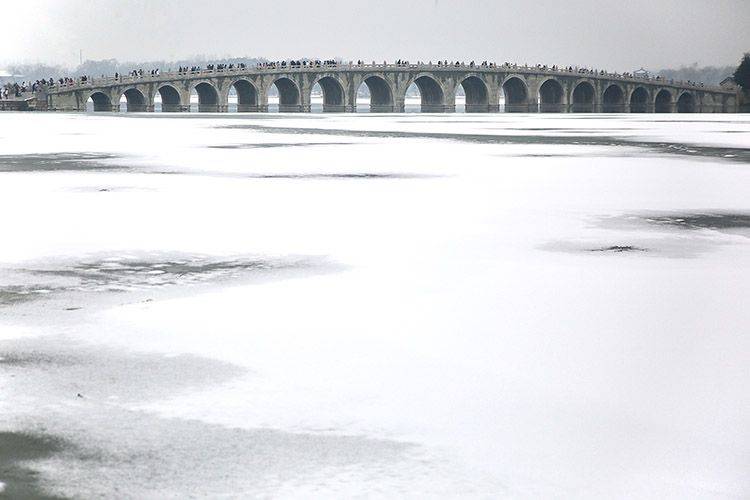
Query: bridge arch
point(101, 101)
point(381, 93)
point(477, 94)
point(583, 97)
point(516, 94)
point(663, 101)
point(639, 100)
point(171, 101)
point(136, 101)
point(551, 96)
point(247, 95)
point(431, 92)
point(613, 99)
point(686, 103)
point(208, 96)
point(289, 95)
point(334, 97)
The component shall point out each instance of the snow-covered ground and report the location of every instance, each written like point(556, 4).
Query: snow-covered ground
point(523, 306)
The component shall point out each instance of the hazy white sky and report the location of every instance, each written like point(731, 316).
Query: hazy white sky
point(622, 34)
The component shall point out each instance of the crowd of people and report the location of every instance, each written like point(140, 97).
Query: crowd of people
point(299, 63)
point(138, 73)
point(597, 72)
point(211, 67)
point(10, 90)
point(17, 90)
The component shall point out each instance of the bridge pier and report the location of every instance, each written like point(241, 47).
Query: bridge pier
point(175, 108)
point(208, 108)
point(519, 108)
point(140, 108)
point(445, 108)
point(480, 108)
point(438, 108)
point(383, 108)
point(294, 108)
point(335, 108)
point(667, 108)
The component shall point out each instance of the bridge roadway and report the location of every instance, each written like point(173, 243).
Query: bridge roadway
point(525, 89)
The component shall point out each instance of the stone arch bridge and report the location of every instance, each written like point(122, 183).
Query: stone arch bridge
point(516, 89)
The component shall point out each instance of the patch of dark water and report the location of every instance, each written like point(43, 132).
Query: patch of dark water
point(269, 145)
point(714, 221)
point(342, 176)
point(305, 176)
point(109, 189)
point(419, 122)
point(86, 162)
point(576, 130)
point(736, 223)
point(679, 234)
point(134, 272)
point(95, 446)
point(714, 152)
point(109, 452)
point(656, 120)
point(143, 273)
point(17, 359)
point(16, 294)
point(551, 155)
point(619, 249)
point(17, 449)
point(638, 246)
point(58, 162)
point(62, 369)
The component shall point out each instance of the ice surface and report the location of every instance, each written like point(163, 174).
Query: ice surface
point(502, 305)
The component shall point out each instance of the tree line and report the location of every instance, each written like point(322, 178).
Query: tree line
point(710, 75)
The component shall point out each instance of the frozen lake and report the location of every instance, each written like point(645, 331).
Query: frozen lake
point(299, 306)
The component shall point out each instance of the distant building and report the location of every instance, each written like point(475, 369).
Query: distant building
point(728, 83)
point(641, 73)
point(6, 75)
